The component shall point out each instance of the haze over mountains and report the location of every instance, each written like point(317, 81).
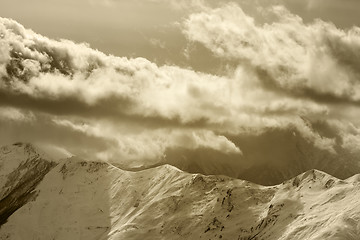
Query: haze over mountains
point(78, 199)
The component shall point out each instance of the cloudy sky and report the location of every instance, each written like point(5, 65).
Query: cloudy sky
point(209, 86)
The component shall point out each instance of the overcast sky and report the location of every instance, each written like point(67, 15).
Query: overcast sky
point(148, 81)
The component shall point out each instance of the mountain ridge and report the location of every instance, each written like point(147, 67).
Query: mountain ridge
point(79, 199)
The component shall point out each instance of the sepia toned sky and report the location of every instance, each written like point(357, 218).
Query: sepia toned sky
point(222, 83)
point(150, 28)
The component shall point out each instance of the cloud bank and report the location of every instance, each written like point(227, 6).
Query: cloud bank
point(286, 80)
point(316, 60)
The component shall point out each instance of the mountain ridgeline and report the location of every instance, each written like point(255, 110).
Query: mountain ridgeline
point(72, 198)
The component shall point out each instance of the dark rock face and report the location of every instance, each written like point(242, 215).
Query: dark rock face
point(18, 189)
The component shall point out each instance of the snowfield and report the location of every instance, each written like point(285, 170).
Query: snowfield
point(78, 199)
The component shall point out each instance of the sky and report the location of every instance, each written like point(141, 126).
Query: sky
point(210, 86)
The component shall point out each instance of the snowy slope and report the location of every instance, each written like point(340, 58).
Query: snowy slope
point(22, 167)
point(95, 200)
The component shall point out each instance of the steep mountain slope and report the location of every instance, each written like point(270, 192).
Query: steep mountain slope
point(22, 167)
point(95, 200)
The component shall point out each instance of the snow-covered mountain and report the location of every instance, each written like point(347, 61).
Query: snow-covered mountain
point(22, 167)
point(78, 199)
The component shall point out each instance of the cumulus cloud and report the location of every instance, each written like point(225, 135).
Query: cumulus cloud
point(151, 144)
point(38, 68)
point(43, 75)
point(288, 77)
point(316, 60)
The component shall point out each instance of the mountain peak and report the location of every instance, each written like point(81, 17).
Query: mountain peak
point(46, 151)
point(27, 148)
point(314, 174)
point(169, 167)
point(312, 177)
point(22, 168)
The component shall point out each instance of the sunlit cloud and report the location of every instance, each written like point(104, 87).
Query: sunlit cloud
point(284, 77)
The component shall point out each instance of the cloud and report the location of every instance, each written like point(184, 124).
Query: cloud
point(61, 78)
point(151, 144)
point(157, 43)
point(16, 115)
point(315, 60)
point(48, 74)
point(335, 4)
point(133, 112)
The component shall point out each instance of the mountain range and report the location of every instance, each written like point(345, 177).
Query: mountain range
point(46, 196)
